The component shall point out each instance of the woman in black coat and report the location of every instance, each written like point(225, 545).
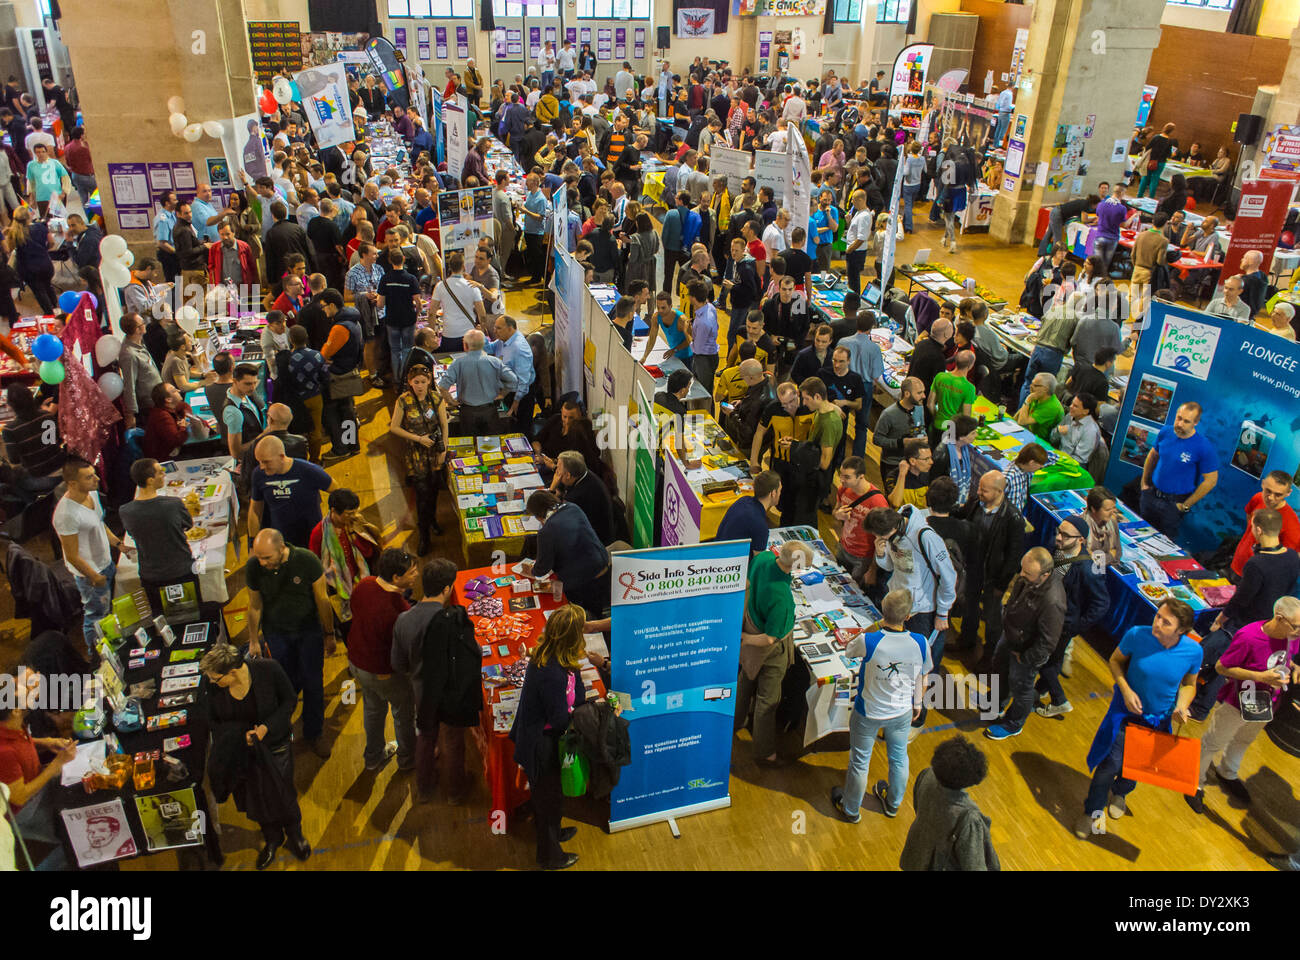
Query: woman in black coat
point(552, 688)
point(250, 706)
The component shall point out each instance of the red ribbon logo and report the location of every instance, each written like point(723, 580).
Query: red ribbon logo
point(628, 580)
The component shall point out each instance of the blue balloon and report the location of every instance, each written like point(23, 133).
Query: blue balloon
point(47, 348)
point(297, 94)
point(68, 300)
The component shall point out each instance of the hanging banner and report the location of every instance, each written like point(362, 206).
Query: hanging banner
point(534, 42)
point(325, 101)
point(677, 613)
point(1245, 380)
point(455, 125)
point(568, 286)
point(383, 58)
point(399, 38)
point(620, 43)
point(1144, 106)
point(439, 141)
point(733, 163)
point(638, 43)
point(695, 23)
point(784, 8)
point(440, 42)
point(1282, 147)
point(771, 169)
point(798, 191)
point(1260, 215)
point(646, 471)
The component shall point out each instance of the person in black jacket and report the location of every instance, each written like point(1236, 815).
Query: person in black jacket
point(740, 283)
point(250, 706)
point(1086, 602)
point(284, 237)
point(929, 358)
point(552, 688)
point(999, 535)
point(580, 486)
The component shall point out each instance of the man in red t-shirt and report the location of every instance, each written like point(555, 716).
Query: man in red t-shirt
point(377, 602)
point(857, 497)
point(20, 768)
point(1274, 490)
point(754, 245)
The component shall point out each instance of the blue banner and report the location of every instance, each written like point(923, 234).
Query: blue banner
point(677, 616)
point(1247, 382)
point(439, 141)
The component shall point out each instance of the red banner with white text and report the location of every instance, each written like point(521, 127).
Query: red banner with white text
point(1260, 216)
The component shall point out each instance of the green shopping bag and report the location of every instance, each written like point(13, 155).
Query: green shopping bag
point(575, 768)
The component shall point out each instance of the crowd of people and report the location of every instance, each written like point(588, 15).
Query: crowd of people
point(358, 294)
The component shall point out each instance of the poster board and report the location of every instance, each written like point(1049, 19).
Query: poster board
point(275, 47)
point(907, 84)
point(1261, 212)
point(1245, 380)
point(325, 101)
point(734, 164)
point(771, 170)
point(567, 284)
point(464, 216)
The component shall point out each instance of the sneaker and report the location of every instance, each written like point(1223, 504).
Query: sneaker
point(1054, 709)
point(390, 750)
point(1118, 807)
point(1000, 732)
point(1090, 826)
point(913, 733)
point(837, 801)
point(1234, 787)
point(1067, 662)
point(1196, 801)
point(881, 790)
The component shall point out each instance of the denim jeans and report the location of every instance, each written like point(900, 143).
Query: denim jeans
point(1106, 779)
point(862, 738)
point(1017, 678)
point(923, 623)
point(860, 418)
point(1042, 360)
point(1162, 512)
point(1004, 121)
point(400, 342)
point(1106, 250)
point(1212, 648)
point(95, 603)
point(36, 824)
point(302, 654)
point(910, 190)
point(378, 694)
point(84, 184)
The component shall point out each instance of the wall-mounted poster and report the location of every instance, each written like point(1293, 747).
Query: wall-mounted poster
point(534, 42)
point(462, 43)
point(620, 43)
point(783, 8)
point(276, 47)
point(638, 43)
point(440, 42)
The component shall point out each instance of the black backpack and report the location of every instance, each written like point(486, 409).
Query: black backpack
point(451, 671)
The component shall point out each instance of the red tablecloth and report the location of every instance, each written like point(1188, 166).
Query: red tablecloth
point(505, 779)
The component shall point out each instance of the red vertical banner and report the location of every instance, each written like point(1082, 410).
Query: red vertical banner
point(1260, 216)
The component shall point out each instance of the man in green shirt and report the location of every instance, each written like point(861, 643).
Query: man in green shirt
point(1041, 411)
point(827, 429)
point(289, 608)
point(953, 394)
point(766, 647)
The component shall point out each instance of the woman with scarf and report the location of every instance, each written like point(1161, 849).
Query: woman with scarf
point(953, 453)
point(420, 418)
point(250, 708)
point(346, 545)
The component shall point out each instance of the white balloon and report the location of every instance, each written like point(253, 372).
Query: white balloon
point(214, 129)
point(193, 132)
point(281, 90)
point(127, 259)
point(111, 384)
point(188, 321)
point(112, 246)
point(175, 105)
point(107, 349)
point(177, 121)
point(114, 274)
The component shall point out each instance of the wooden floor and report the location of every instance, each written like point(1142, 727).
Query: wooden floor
point(778, 819)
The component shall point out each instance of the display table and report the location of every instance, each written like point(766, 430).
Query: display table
point(1142, 584)
point(943, 283)
point(825, 613)
point(1000, 440)
point(704, 474)
point(1019, 332)
point(159, 816)
point(218, 510)
point(490, 479)
point(22, 334)
point(519, 632)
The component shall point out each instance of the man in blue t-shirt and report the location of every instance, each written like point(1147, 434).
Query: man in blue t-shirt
point(1180, 469)
point(1155, 672)
point(286, 493)
point(890, 687)
point(746, 519)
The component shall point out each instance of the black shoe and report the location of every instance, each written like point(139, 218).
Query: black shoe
point(299, 847)
point(1196, 801)
point(267, 856)
point(564, 863)
point(426, 546)
point(1234, 787)
point(567, 834)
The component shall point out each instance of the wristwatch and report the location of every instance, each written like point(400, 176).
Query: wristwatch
point(1183, 507)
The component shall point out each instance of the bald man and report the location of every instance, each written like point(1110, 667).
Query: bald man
point(1255, 280)
point(285, 492)
point(930, 358)
point(289, 609)
point(993, 562)
point(278, 418)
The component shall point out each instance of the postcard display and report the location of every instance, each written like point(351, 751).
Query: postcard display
point(1245, 380)
point(141, 738)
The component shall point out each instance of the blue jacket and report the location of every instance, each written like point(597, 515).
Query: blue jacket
point(690, 228)
point(1086, 597)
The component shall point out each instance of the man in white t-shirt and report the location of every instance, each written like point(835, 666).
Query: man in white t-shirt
point(888, 696)
point(455, 296)
point(624, 81)
point(79, 522)
point(795, 109)
point(534, 95)
point(776, 237)
point(565, 59)
point(38, 135)
point(776, 140)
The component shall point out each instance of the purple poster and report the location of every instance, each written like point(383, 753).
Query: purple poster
point(500, 36)
point(586, 34)
point(399, 37)
point(130, 184)
point(462, 43)
point(571, 34)
point(534, 42)
point(620, 43)
point(440, 42)
point(160, 178)
point(681, 509)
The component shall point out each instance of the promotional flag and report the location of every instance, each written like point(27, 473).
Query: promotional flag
point(325, 101)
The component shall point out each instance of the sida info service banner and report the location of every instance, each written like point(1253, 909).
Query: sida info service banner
point(677, 613)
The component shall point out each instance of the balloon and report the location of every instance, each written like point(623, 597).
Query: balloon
point(127, 259)
point(52, 372)
point(188, 319)
point(68, 301)
point(177, 122)
point(175, 105)
point(214, 129)
point(48, 348)
point(111, 384)
point(193, 132)
point(268, 103)
point(94, 301)
point(112, 246)
point(107, 349)
point(282, 90)
point(114, 274)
